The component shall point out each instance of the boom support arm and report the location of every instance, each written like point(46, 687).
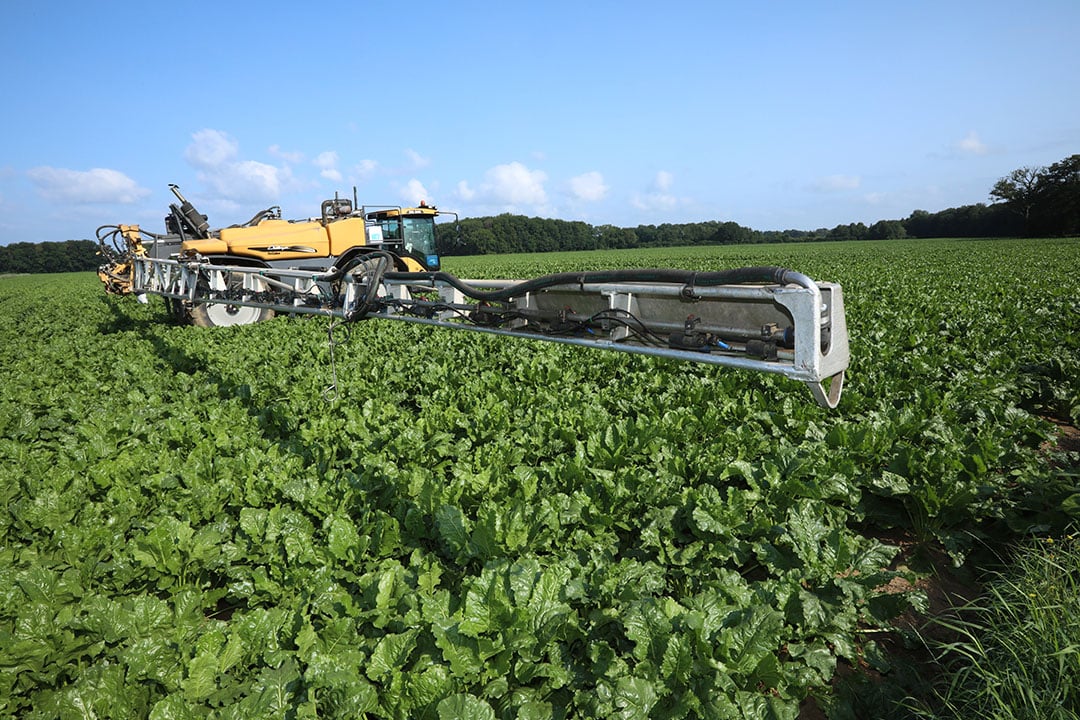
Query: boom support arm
point(766, 319)
point(799, 332)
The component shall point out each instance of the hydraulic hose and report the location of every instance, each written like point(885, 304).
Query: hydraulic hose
point(373, 266)
point(269, 213)
point(336, 273)
point(737, 276)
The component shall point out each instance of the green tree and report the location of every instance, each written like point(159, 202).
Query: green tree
point(49, 257)
point(730, 233)
point(1019, 190)
point(1058, 204)
point(609, 236)
point(886, 230)
point(1047, 198)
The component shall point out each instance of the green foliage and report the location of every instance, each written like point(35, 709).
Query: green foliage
point(519, 234)
point(49, 257)
point(500, 528)
point(1017, 652)
point(1047, 199)
point(967, 221)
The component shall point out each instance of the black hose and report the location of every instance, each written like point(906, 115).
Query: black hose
point(336, 273)
point(737, 276)
point(380, 260)
point(268, 213)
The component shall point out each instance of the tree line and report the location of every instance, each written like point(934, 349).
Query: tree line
point(1028, 202)
point(1045, 199)
point(49, 257)
point(517, 233)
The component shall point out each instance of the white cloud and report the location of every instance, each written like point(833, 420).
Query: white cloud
point(972, 145)
point(293, 158)
point(364, 170)
point(246, 181)
point(589, 187)
point(99, 185)
point(654, 201)
point(515, 184)
point(214, 154)
point(327, 164)
point(511, 187)
point(417, 160)
point(658, 196)
point(258, 179)
point(414, 191)
point(211, 149)
point(836, 183)
point(326, 159)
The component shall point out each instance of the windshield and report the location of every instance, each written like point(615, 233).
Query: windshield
point(419, 235)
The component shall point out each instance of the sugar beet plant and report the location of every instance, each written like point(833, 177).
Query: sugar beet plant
point(490, 528)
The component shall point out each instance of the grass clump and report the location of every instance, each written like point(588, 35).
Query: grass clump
point(1017, 649)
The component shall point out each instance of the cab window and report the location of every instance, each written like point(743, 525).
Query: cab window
point(391, 229)
point(419, 235)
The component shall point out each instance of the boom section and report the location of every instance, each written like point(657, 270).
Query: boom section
point(764, 319)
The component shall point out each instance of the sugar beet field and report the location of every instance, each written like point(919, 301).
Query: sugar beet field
point(484, 527)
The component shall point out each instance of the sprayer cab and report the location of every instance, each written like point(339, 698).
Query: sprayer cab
point(409, 232)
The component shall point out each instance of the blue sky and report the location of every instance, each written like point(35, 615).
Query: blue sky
point(771, 114)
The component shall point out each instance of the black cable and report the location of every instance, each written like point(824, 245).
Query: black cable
point(616, 315)
point(642, 331)
point(412, 308)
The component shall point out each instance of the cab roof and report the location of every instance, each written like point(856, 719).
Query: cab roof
point(424, 210)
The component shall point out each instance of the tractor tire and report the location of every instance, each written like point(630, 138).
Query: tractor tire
point(222, 315)
point(208, 315)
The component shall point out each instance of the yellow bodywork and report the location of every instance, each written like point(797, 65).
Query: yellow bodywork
point(118, 275)
point(210, 246)
point(345, 234)
point(283, 240)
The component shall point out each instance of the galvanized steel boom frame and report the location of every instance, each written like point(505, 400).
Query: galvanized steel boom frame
point(795, 328)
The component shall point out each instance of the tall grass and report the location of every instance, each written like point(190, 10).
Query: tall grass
point(1017, 652)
